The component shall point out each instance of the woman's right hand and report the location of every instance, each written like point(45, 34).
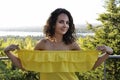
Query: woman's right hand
point(11, 47)
point(13, 58)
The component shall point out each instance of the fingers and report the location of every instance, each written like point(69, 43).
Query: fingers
point(109, 50)
point(105, 49)
point(17, 47)
point(12, 47)
point(101, 48)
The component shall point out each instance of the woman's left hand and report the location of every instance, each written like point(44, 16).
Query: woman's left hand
point(106, 49)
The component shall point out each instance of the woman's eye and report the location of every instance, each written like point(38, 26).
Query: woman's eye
point(61, 21)
point(67, 22)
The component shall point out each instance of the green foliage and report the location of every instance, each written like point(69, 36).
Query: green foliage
point(92, 75)
point(108, 33)
point(9, 71)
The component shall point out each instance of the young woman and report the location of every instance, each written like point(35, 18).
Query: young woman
point(60, 35)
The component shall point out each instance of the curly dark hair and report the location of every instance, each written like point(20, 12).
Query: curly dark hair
point(49, 28)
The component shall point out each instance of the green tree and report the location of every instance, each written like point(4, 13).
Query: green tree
point(108, 33)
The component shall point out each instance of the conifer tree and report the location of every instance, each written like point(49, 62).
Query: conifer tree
point(108, 33)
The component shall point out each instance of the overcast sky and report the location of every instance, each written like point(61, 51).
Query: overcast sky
point(25, 13)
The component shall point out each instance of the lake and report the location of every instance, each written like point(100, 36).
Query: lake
point(23, 34)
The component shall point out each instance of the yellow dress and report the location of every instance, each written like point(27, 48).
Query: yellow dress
point(58, 65)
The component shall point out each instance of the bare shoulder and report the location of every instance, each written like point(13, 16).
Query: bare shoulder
point(41, 44)
point(74, 46)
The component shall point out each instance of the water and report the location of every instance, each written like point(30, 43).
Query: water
point(23, 34)
point(20, 33)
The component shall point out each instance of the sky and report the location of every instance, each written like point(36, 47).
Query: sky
point(27, 13)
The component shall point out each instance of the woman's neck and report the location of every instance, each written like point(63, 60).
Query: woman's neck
point(58, 38)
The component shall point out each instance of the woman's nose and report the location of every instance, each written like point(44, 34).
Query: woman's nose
point(65, 24)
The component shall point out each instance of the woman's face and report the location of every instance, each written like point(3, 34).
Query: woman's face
point(62, 24)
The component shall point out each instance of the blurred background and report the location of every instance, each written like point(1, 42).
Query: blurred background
point(97, 23)
point(31, 15)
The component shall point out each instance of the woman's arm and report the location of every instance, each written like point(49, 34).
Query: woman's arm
point(14, 59)
point(106, 52)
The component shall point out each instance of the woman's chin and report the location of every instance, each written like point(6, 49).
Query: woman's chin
point(63, 33)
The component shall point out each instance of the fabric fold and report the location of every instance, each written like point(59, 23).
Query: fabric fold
point(58, 61)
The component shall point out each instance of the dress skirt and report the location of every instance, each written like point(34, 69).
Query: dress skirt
point(58, 65)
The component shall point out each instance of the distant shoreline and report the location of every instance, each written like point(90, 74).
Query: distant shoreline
point(24, 33)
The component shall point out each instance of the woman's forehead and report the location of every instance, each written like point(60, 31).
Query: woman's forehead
point(63, 16)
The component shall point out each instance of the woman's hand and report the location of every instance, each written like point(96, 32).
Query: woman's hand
point(11, 47)
point(13, 58)
point(106, 49)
